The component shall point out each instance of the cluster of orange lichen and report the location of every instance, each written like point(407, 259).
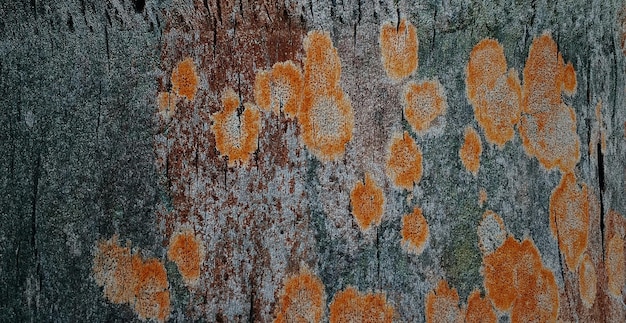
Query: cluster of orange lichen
point(350, 305)
point(398, 47)
point(442, 304)
point(367, 202)
point(236, 136)
point(302, 299)
point(404, 161)
point(326, 117)
point(471, 150)
point(185, 79)
point(494, 93)
point(279, 89)
point(548, 126)
point(414, 232)
point(479, 310)
point(187, 252)
point(127, 278)
point(423, 102)
point(587, 281)
point(569, 219)
point(516, 280)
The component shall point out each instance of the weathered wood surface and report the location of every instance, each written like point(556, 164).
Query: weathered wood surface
point(86, 156)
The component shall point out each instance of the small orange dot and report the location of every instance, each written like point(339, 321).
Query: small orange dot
point(414, 232)
point(587, 281)
point(471, 150)
point(482, 197)
point(185, 79)
point(185, 250)
point(442, 305)
point(399, 49)
point(479, 310)
point(404, 161)
point(367, 202)
point(236, 136)
point(302, 299)
point(423, 102)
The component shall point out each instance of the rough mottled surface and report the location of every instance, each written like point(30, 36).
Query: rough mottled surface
point(86, 155)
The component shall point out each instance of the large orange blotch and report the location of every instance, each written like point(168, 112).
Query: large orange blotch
point(615, 265)
point(569, 219)
point(414, 232)
point(185, 79)
point(587, 281)
point(350, 305)
point(399, 49)
point(236, 136)
point(548, 126)
point(471, 150)
point(302, 299)
point(423, 102)
point(516, 280)
point(479, 310)
point(442, 304)
point(404, 161)
point(495, 94)
point(129, 279)
point(367, 201)
point(325, 115)
point(185, 250)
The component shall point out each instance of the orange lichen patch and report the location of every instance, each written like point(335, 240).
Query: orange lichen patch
point(516, 279)
point(479, 310)
point(616, 265)
point(286, 88)
point(399, 49)
point(414, 232)
point(151, 291)
point(236, 136)
point(491, 232)
point(442, 304)
point(494, 93)
point(404, 161)
point(587, 281)
point(569, 79)
point(129, 279)
point(423, 102)
point(367, 201)
point(302, 299)
point(325, 116)
point(482, 197)
point(569, 219)
point(185, 79)
point(263, 90)
point(167, 104)
point(551, 137)
point(112, 269)
point(350, 305)
point(186, 251)
point(471, 150)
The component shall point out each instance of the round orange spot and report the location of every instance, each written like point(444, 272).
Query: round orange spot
point(442, 305)
point(286, 88)
point(167, 104)
point(325, 115)
point(587, 281)
point(112, 269)
point(367, 201)
point(500, 274)
point(263, 90)
point(185, 250)
point(479, 310)
point(615, 265)
point(414, 232)
point(404, 161)
point(471, 150)
point(152, 294)
point(350, 305)
point(302, 299)
point(423, 102)
point(236, 136)
point(494, 93)
point(399, 49)
point(569, 219)
point(185, 79)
